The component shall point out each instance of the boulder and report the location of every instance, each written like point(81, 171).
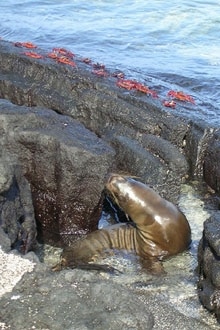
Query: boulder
point(209, 265)
point(157, 161)
point(17, 218)
point(73, 299)
point(110, 112)
point(212, 162)
point(65, 165)
point(199, 143)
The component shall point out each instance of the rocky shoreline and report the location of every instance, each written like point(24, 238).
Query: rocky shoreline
point(63, 129)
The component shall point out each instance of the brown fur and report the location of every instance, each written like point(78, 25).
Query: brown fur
point(161, 228)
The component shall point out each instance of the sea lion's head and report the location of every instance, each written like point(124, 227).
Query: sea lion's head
point(116, 186)
point(128, 194)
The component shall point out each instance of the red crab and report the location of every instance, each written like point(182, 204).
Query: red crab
point(33, 55)
point(132, 84)
point(145, 89)
point(25, 44)
point(98, 66)
point(119, 75)
point(100, 72)
point(52, 55)
point(126, 83)
point(170, 104)
point(65, 60)
point(181, 96)
point(64, 52)
point(87, 60)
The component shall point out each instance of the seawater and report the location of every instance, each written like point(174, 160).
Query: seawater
point(175, 42)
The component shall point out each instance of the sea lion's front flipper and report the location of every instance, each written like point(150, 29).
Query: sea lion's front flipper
point(57, 268)
point(152, 266)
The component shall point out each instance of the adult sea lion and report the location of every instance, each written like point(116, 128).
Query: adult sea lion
point(161, 229)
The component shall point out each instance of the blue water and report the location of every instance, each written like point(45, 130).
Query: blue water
point(171, 41)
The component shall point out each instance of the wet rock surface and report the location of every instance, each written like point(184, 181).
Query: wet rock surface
point(209, 265)
point(17, 218)
point(211, 162)
point(59, 158)
point(111, 113)
point(64, 132)
point(85, 300)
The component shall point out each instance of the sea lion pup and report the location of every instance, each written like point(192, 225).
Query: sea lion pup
point(161, 230)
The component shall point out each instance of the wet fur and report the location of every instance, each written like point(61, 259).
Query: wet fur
point(161, 229)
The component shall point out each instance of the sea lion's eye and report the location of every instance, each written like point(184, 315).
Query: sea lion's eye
point(121, 180)
point(121, 198)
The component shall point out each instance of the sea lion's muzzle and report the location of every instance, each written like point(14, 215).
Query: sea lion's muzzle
point(114, 187)
point(114, 180)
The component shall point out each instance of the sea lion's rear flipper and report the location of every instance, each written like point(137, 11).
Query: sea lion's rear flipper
point(102, 268)
point(86, 266)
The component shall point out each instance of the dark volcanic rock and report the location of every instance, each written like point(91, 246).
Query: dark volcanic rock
point(98, 104)
point(77, 300)
point(65, 164)
point(212, 162)
point(17, 218)
point(110, 112)
point(209, 265)
point(72, 300)
point(198, 142)
point(157, 161)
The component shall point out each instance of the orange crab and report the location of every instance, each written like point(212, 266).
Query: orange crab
point(119, 75)
point(100, 72)
point(25, 44)
point(87, 60)
point(65, 60)
point(170, 104)
point(98, 66)
point(64, 52)
point(61, 59)
point(145, 89)
point(33, 55)
point(178, 95)
point(132, 84)
point(126, 83)
point(52, 55)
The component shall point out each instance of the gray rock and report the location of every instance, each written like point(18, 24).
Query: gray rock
point(16, 210)
point(5, 241)
point(209, 265)
point(73, 299)
point(212, 233)
point(104, 109)
point(198, 140)
point(65, 165)
point(6, 176)
point(158, 162)
point(52, 301)
point(212, 163)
